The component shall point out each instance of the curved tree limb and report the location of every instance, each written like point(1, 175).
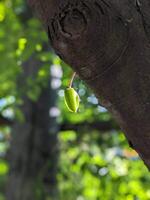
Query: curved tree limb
point(107, 43)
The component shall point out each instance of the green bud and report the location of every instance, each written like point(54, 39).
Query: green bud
point(72, 99)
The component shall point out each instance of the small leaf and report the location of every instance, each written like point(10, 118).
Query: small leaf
point(72, 99)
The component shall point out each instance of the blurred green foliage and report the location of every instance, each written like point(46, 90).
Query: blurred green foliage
point(100, 166)
point(93, 165)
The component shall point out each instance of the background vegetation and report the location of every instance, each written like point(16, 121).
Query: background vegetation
point(93, 159)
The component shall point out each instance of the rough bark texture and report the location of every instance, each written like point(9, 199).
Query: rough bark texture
point(107, 42)
point(34, 147)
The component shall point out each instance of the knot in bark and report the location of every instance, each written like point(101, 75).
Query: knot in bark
point(73, 23)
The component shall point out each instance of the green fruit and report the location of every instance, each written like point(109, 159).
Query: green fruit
point(72, 99)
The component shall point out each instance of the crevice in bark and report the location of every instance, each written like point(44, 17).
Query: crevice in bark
point(144, 16)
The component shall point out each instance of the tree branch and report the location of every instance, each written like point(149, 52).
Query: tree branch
point(5, 121)
point(87, 126)
point(107, 43)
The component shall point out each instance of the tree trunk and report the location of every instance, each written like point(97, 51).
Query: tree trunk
point(107, 43)
point(34, 146)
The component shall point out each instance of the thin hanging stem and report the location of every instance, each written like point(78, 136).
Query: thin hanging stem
point(72, 78)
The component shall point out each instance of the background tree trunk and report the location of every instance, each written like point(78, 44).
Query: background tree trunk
point(107, 43)
point(34, 147)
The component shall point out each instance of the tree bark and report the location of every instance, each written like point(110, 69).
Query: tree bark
point(107, 43)
point(34, 147)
